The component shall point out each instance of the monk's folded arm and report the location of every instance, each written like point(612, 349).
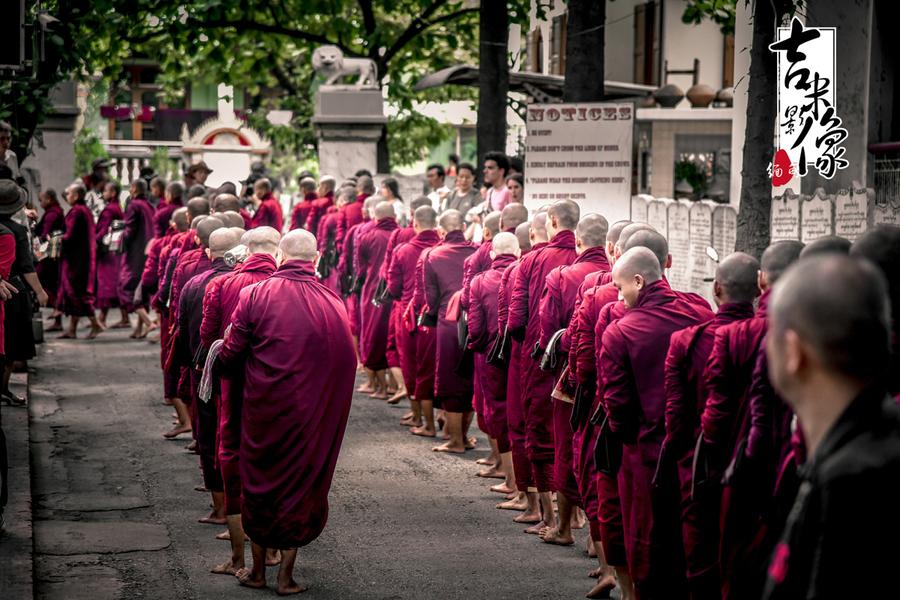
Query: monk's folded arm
point(678, 412)
point(518, 303)
point(716, 420)
point(617, 382)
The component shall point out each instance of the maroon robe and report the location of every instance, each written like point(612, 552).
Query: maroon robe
point(268, 214)
point(290, 334)
point(482, 316)
point(318, 210)
point(348, 278)
point(632, 367)
point(426, 335)
point(524, 325)
point(556, 306)
point(219, 302)
point(689, 351)
point(188, 264)
point(374, 320)
point(78, 263)
point(163, 216)
point(399, 236)
point(108, 263)
point(248, 220)
point(479, 262)
point(349, 215)
point(301, 210)
point(47, 268)
point(401, 283)
point(325, 238)
point(138, 231)
point(443, 278)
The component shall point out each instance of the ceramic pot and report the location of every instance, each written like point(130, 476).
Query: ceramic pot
point(668, 95)
point(701, 95)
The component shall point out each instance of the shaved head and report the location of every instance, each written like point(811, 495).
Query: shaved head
point(826, 245)
point(180, 219)
point(652, 241)
point(384, 210)
point(592, 230)
point(492, 223)
point(451, 220)
point(425, 217)
point(639, 261)
point(539, 227)
point(227, 202)
point(504, 243)
point(222, 240)
point(231, 218)
point(777, 258)
point(369, 205)
point(239, 230)
point(298, 244)
point(308, 185)
point(616, 230)
point(365, 185)
point(420, 201)
point(629, 230)
point(522, 234)
point(206, 227)
point(512, 216)
point(565, 213)
point(736, 277)
point(197, 220)
point(262, 240)
point(838, 307)
point(198, 206)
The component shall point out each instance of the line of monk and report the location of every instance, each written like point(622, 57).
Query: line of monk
point(685, 436)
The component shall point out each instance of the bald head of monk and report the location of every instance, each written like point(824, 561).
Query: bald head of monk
point(239, 230)
point(634, 271)
point(626, 232)
point(653, 241)
point(491, 225)
point(420, 201)
point(826, 245)
point(365, 185)
point(523, 234)
point(221, 241)
point(512, 216)
point(829, 338)
point(562, 215)
point(298, 244)
point(736, 279)
point(197, 207)
point(612, 236)
point(262, 240)
point(384, 210)
point(205, 229)
point(451, 220)
point(369, 206)
point(230, 218)
point(424, 218)
point(197, 220)
point(504, 243)
point(538, 230)
point(226, 202)
point(775, 261)
point(881, 246)
point(180, 219)
point(591, 232)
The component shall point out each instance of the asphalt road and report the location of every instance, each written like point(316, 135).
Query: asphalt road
point(116, 515)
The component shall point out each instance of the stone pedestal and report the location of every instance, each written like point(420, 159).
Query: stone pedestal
point(348, 124)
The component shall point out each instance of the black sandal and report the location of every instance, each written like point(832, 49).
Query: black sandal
point(11, 399)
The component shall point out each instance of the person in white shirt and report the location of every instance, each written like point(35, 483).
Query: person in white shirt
point(437, 190)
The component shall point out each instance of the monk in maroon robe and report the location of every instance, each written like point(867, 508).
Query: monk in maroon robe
point(78, 264)
point(527, 499)
point(374, 319)
point(138, 232)
point(171, 202)
point(53, 220)
point(190, 317)
point(219, 302)
point(109, 263)
point(482, 323)
point(352, 213)
point(268, 209)
point(320, 206)
point(734, 290)
point(401, 285)
point(725, 424)
point(326, 238)
point(631, 365)
point(524, 324)
point(291, 339)
point(556, 306)
point(301, 210)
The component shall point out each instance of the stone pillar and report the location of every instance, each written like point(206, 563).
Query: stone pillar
point(348, 122)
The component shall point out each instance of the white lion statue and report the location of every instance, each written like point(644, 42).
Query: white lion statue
point(330, 61)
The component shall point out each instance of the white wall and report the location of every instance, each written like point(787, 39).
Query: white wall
point(683, 43)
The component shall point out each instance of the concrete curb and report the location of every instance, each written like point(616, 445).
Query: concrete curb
point(17, 541)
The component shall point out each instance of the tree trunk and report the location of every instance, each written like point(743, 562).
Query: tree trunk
point(762, 104)
point(585, 46)
point(493, 77)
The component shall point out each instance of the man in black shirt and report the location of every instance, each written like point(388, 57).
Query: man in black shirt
point(828, 349)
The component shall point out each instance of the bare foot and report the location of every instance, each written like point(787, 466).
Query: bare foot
point(273, 557)
point(211, 519)
point(289, 588)
point(492, 473)
point(225, 536)
point(122, 325)
point(536, 528)
point(423, 431)
point(603, 588)
point(168, 402)
point(448, 447)
point(396, 398)
point(192, 447)
point(67, 336)
point(410, 422)
point(526, 517)
point(578, 520)
point(550, 535)
point(246, 578)
point(200, 488)
point(501, 488)
point(595, 573)
point(175, 432)
point(379, 395)
point(227, 568)
point(95, 331)
point(514, 504)
point(54, 327)
point(487, 462)
point(365, 389)
point(471, 442)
